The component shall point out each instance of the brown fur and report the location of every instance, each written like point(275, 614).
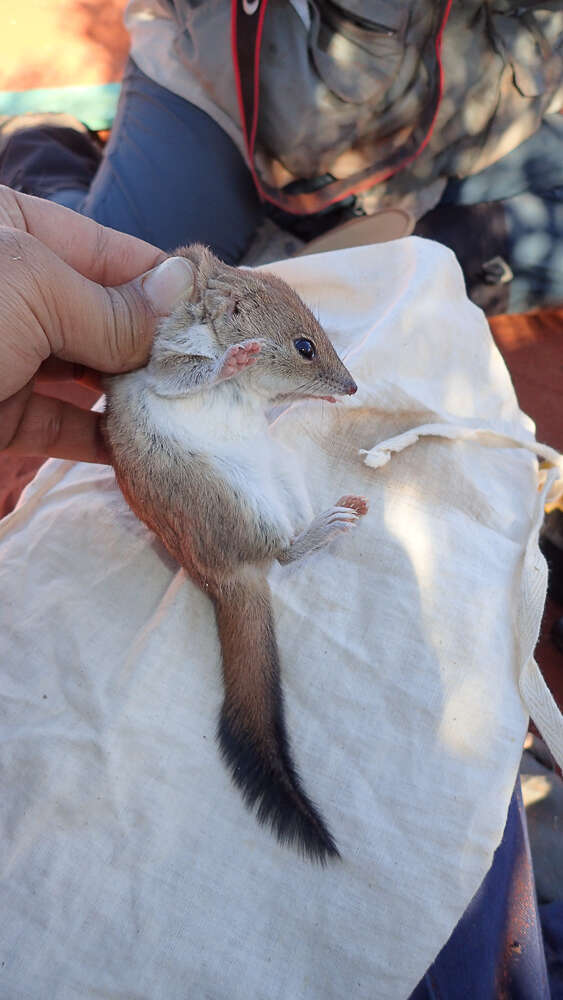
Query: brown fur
point(214, 528)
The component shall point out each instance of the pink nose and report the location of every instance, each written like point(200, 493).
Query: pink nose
point(352, 388)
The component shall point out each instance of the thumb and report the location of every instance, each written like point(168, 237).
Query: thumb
point(47, 307)
point(116, 325)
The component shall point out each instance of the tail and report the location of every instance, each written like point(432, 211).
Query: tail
point(251, 731)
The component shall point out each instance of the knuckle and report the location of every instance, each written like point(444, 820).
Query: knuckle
point(101, 253)
point(22, 263)
point(121, 328)
point(10, 211)
point(14, 244)
point(12, 412)
point(48, 428)
point(7, 435)
point(33, 424)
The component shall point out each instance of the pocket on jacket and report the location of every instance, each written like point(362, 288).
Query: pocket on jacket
point(358, 51)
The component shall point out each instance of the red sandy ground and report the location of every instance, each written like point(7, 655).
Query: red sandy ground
point(532, 346)
point(59, 43)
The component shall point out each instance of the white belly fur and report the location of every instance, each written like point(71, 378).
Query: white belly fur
point(233, 434)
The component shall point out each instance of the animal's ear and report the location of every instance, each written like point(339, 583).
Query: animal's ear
point(203, 264)
point(232, 304)
point(221, 300)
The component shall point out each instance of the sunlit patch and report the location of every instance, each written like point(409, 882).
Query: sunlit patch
point(531, 211)
point(468, 701)
point(535, 788)
point(409, 527)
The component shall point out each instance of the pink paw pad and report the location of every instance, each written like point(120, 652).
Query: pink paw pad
point(239, 356)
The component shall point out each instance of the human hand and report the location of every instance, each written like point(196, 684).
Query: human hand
point(75, 301)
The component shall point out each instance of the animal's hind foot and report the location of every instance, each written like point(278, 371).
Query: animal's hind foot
point(326, 526)
point(359, 504)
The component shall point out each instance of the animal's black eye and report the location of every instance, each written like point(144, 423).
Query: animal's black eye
point(306, 348)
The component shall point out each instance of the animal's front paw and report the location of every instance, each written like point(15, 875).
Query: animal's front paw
point(238, 357)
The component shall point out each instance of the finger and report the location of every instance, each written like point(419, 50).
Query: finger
point(40, 425)
point(97, 252)
point(46, 307)
point(55, 370)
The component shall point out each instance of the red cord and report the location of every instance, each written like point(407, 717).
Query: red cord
point(234, 52)
point(250, 141)
point(257, 74)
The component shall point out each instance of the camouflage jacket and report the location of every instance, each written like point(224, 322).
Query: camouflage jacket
point(402, 91)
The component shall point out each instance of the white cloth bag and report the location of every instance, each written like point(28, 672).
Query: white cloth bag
point(130, 867)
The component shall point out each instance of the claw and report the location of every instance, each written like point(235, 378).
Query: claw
point(359, 504)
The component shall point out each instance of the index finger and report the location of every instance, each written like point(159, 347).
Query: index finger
point(104, 255)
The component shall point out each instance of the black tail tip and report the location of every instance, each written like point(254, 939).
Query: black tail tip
point(273, 790)
point(302, 831)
